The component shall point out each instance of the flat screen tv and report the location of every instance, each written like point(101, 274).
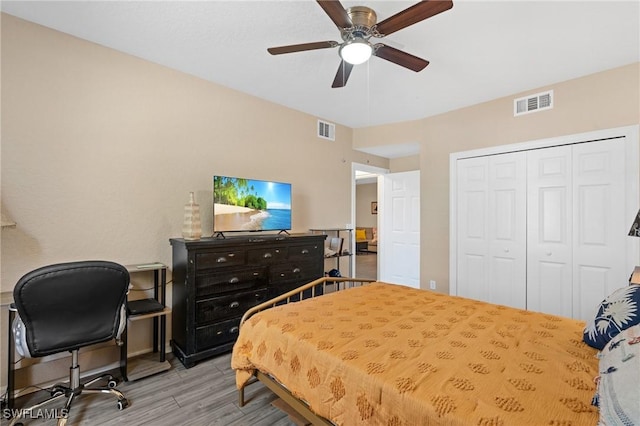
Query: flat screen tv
point(250, 205)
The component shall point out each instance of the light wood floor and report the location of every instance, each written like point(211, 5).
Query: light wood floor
point(202, 395)
point(367, 265)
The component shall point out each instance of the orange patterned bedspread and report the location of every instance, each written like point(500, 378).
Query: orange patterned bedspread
point(385, 354)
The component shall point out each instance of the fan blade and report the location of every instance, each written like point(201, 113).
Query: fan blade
point(344, 70)
point(302, 47)
point(336, 12)
point(416, 13)
point(399, 57)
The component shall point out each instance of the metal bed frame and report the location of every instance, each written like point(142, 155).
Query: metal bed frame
point(329, 284)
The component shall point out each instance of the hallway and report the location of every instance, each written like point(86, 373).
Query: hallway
point(367, 265)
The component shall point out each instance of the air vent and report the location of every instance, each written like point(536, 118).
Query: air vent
point(533, 103)
point(326, 130)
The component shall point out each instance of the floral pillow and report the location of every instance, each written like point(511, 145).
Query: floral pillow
point(619, 311)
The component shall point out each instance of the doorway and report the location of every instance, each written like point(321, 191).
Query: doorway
point(365, 218)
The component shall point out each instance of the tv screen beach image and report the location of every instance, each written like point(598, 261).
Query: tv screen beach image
point(250, 205)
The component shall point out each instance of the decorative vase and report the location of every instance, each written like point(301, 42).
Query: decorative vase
point(191, 228)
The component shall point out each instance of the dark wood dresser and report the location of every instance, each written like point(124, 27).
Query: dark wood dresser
point(216, 280)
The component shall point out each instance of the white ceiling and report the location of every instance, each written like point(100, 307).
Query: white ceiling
point(479, 50)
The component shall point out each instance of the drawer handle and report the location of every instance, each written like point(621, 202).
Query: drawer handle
point(234, 304)
point(267, 255)
point(296, 270)
point(234, 330)
point(234, 280)
point(221, 259)
point(305, 251)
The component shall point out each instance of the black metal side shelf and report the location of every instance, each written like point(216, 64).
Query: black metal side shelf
point(156, 309)
point(345, 247)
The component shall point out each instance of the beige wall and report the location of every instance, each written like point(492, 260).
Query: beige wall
point(101, 149)
point(599, 101)
point(396, 133)
point(404, 164)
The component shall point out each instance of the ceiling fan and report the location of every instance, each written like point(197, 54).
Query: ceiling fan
point(357, 25)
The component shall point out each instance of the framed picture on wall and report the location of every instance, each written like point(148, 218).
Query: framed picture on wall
point(374, 207)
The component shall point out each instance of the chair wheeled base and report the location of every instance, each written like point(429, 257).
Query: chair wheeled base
point(72, 391)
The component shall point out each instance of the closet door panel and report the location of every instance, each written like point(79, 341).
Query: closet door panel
point(600, 228)
point(472, 243)
point(491, 221)
point(507, 229)
point(549, 236)
point(547, 294)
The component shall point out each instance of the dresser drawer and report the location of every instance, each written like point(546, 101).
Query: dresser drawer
point(232, 280)
point(298, 271)
point(267, 255)
point(216, 334)
point(216, 308)
point(308, 251)
point(220, 259)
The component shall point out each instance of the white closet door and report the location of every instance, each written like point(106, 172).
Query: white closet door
point(600, 225)
point(472, 224)
point(581, 197)
point(508, 229)
point(492, 229)
point(549, 236)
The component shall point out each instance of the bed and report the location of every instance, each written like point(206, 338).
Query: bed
point(381, 354)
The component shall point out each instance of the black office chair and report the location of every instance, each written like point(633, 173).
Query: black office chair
point(65, 307)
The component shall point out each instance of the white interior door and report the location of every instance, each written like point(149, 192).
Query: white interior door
point(549, 236)
point(399, 232)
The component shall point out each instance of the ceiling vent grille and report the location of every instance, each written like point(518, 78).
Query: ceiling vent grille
point(326, 130)
point(533, 103)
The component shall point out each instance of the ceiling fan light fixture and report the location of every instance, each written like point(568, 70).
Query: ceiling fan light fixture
point(356, 51)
